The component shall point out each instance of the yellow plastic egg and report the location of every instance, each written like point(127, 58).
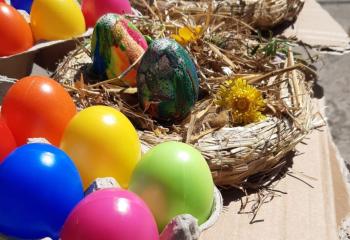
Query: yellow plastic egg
point(56, 19)
point(102, 142)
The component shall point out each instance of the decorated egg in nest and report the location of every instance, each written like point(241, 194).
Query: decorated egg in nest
point(167, 81)
point(116, 44)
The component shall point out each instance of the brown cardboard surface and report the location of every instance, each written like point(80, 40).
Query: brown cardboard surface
point(307, 211)
point(48, 58)
point(47, 44)
point(17, 66)
point(316, 27)
point(46, 54)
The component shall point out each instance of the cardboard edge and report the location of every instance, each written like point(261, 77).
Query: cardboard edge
point(46, 44)
point(324, 43)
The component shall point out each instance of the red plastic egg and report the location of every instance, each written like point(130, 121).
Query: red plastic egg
point(7, 142)
point(16, 35)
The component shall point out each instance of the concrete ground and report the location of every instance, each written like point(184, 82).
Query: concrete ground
point(335, 82)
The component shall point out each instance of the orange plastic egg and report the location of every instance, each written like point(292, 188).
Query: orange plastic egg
point(37, 107)
point(16, 35)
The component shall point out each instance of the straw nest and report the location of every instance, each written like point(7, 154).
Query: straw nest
point(240, 156)
point(257, 13)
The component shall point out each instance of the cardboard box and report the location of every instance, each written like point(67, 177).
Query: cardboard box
point(46, 54)
point(310, 202)
point(313, 199)
point(316, 28)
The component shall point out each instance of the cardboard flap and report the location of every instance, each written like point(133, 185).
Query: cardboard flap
point(309, 203)
point(47, 44)
point(317, 28)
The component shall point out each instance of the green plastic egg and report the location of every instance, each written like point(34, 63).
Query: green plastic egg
point(167, 81)
point(173, 178)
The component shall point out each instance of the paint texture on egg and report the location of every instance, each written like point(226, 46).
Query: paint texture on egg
point(116, 44)
point(167, 81)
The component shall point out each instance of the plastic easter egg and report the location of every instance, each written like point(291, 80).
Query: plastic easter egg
point(39, 187)
point(116, 44)
point(16, 35)
point(94, 9)
point(103, 143)
point(173, 178)
point(7, 142)
point(25, 5)
point(37, 107)
point(110, 214)
point(167, 81)
point(56, 19)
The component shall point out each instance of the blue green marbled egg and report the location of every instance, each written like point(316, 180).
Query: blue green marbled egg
point(167, 81)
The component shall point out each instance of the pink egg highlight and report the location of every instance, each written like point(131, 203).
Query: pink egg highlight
point(110, 214)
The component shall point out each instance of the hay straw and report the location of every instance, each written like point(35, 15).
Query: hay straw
point(257, 13)
point(227, 48)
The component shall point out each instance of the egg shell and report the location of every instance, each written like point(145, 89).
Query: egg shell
point(37, 107)
point(94, 9)
point(7, 141)
point(167, 81)
point(116, 44)
point(16, 35)
point(173, 178)
point(102, 142)
point(25, 5)
point(110, 214)
point(56, 19)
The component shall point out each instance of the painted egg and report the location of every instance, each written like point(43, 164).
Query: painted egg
point(167, 81)
point(116, 44)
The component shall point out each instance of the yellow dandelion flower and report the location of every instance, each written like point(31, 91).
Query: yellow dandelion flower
point(245, 101)
point(187, 35)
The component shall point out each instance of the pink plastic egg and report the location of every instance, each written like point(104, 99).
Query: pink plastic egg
point(94, 9)
point(110, 214)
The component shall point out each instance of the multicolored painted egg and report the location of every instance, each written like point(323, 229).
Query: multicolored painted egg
point(167, 81)
point(116, 44)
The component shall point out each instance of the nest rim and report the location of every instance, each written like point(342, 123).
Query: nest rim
point(298, 121)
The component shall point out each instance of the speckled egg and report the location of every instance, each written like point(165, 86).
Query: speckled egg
point(116, 44)
point(167, 81)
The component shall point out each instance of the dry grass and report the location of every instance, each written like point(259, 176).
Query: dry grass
point(227, 48)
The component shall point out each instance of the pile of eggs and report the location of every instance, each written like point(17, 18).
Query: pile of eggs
point(42, 184)
point(166, 77)
point(50, 20)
